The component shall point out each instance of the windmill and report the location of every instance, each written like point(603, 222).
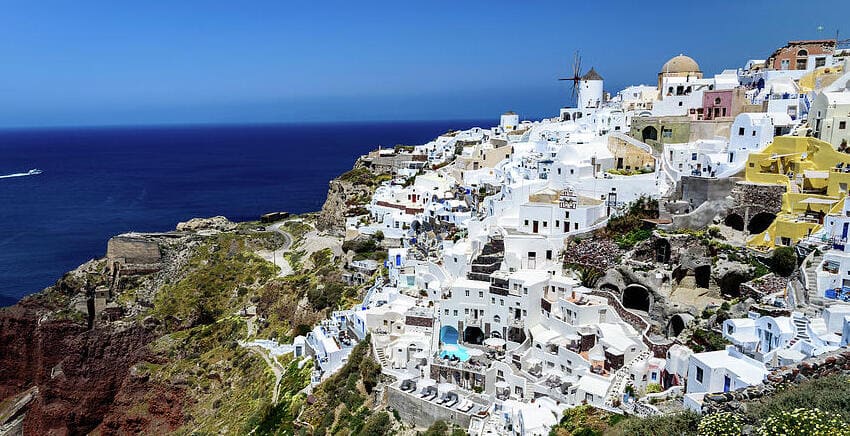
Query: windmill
point(576, 77)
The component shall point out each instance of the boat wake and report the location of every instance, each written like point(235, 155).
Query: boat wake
point(32, 172)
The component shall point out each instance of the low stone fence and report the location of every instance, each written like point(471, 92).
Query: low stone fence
point(837, 362)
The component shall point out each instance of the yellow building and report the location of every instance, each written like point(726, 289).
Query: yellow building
point(815, 177)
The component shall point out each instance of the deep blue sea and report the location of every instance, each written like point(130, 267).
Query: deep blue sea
point(99, 182)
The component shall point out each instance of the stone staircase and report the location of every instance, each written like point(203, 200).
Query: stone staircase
point(814, 302)
point(382, 357)
point(801, 325)
point(489, 260)
point(620, 379)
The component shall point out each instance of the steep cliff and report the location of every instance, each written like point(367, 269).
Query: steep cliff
point(347, 196)
point(155, 337)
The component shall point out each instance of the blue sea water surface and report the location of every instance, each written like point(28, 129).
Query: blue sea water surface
point(99, 182)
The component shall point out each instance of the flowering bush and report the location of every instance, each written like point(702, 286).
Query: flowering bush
point(802, 421)
point(720, 424)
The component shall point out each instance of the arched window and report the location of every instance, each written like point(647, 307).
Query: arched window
point(717, 100)
point(802, 52)
point(497, 319)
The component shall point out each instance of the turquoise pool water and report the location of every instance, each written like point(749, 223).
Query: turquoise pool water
point(456, 351)
point(448, 336)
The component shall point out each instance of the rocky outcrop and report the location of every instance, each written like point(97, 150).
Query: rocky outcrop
point(346, 197)
point(214, 224)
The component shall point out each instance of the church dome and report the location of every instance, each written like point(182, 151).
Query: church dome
point(680, 64)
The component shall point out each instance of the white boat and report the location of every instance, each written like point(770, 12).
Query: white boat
point(34, 171)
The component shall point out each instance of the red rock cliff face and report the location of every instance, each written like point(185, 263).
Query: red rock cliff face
point(83, 376)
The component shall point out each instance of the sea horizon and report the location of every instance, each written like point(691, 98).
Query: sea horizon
point(100, 181)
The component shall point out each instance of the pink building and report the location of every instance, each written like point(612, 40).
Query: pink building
point(724, 103)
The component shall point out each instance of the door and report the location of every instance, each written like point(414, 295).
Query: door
point(534, 227)
point(727, 383)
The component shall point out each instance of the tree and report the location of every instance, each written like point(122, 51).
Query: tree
point(377, 425)
point(783, 261)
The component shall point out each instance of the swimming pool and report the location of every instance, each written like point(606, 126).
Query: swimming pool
point(456, 351)
point(448, 336)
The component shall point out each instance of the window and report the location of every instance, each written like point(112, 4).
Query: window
point(754, 132)
point(842, 125)
point(801, 64)
point(548, 254)
point(455, 312)
point(466, 311)
point(802, 52)
point(785, 64)
point(717, 101)
point(447, 312)
point(667, 133)
point(567, 214)
point(526, 222)
point(699, 375)
point(576, 226)
point(545, 224)
point(497, 319)
point(557, 224)
point(501, 302)
point(693, 156)
point(680, 103)
point(740, 133)
point(559, 171)
point(480, 294)
point(467, 292)
point(819, 62)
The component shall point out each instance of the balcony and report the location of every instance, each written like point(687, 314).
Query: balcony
point(472, 321)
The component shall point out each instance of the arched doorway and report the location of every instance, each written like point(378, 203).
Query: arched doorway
point(760, 222)
point(636, 297)
point(734, 221)
point(702, 276)
point(473, 335)
point(649, 132)
point(448, 335)
point(609, 287)
point(677, 323)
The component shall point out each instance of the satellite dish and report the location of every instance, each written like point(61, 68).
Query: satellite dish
point(804, 155)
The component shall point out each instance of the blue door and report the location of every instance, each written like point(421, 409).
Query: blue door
point(727, 382)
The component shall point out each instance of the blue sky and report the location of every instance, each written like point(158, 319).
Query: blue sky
point(108, 62)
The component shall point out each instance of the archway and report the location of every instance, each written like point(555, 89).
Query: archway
point(702, 276)
point(636, 297)
point(448, 335)
point(649, 132)
point(677, 323)
point(610, 287)
point(760, 222)
point(730, 283)
point(473, 335)
point(734, 221)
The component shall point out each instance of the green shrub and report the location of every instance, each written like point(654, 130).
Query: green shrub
point(653, 388)
point(721, 424)
point(377, 425)
point(783, 261)
point(809, 422)
point(682, 423)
